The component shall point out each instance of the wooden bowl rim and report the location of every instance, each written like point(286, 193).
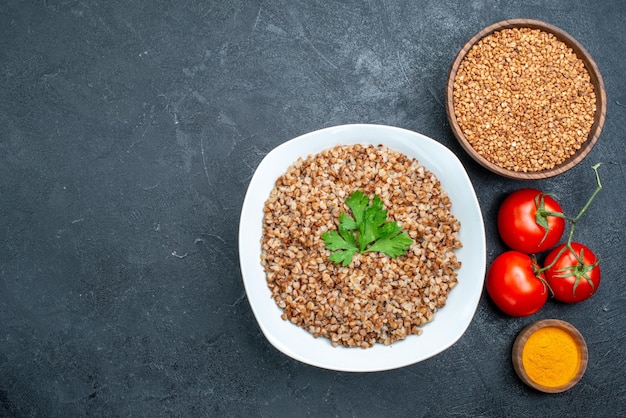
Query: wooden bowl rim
point(521, 340)
point(596, 80)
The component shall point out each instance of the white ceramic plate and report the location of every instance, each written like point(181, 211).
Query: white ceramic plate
point(450, 322)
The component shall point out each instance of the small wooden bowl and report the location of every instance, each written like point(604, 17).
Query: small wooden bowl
point(522, 338)
point(595, 78)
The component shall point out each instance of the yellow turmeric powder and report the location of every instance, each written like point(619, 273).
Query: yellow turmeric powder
point(551, 357)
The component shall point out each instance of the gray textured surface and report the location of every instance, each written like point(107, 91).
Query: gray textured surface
point(129, 133)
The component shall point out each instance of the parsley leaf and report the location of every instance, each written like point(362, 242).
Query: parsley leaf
point(392, 241)
point(343, 243)
point(367, 231)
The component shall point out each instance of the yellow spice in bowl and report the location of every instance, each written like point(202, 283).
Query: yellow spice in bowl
point(524, 100)
point(551, 357)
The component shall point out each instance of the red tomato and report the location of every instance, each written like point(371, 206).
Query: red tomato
point(525, 222)
point(513, 285)
point(575, 276)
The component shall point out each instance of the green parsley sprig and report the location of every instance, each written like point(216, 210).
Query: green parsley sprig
point(367, 231)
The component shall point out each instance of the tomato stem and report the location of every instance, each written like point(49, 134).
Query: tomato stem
point(538, 274)
point(542, 214)
point(559, 254)
point(584, 208)
point(593, 196)
point(574, 220)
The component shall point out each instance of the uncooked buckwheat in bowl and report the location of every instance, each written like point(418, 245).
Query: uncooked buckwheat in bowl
point(525, 99)
point(375, 299)
point(371, 299)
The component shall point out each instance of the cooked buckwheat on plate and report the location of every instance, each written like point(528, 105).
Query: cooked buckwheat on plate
point(375, 299)
point(385, 305)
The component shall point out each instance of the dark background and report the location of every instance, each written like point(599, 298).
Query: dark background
point(129, 132)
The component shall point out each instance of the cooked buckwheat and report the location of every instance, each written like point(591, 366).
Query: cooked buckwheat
point(376, 299)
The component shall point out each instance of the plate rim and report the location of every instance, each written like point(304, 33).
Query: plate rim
point(340, 131)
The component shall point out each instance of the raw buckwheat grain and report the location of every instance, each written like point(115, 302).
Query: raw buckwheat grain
point(524, 100)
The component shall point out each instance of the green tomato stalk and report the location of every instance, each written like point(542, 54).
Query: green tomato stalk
point(581, 270)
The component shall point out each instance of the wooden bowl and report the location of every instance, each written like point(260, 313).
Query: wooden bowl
point(521, 340)
point(595, 78)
